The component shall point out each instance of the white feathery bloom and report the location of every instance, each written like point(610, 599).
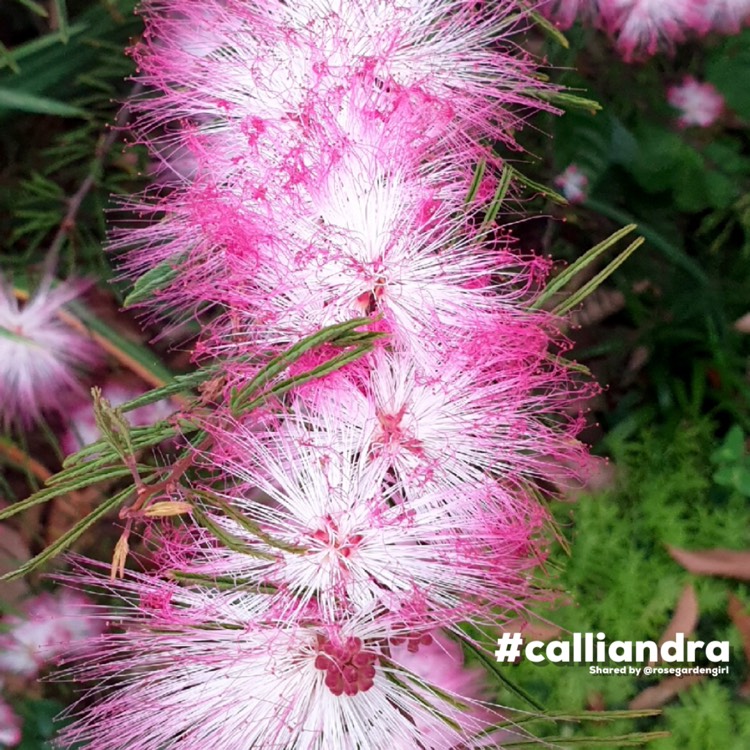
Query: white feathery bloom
point(699, 104)
point(38, 352)
point(197, 672)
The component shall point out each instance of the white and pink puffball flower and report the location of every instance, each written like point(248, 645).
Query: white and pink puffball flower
point(48, 627)
point(81, 429)
point(200, 668)
point(338, 534)
point(335, 144)
point(573, 183)
point(643, 27)
point(465, 415)
point(39, 354)
point(727, 16)
point(385, 111)
point(699, 104)
point(10, 725)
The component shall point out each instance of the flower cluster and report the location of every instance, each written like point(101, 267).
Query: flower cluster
point(10, 725)
point(325, 152)
point(33, 638)
point(699, 104)
point(39, 353)
point(573, 183)
point(642, 27)
point(45, 630)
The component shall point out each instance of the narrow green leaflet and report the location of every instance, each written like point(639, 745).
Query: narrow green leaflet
point(34, 7)
point(572, 718)
point(112, 425)
point(566, 276)
point(23, 101)
point(246, 523)
point(538, 187)
point(101, 453)
point(577, 297)
point(548, 28)
point(152, 281)
point(29, 49)
point(7, 59)
point(228, 539)
point(476, 180)
point(568, 101)
point(497, 200)
point(181, 384)
point(63, 488)
point(219, 582)
point(69, 537)
point(240, 397)
point(636, 739)
point(61, 14)
point(88, 475)
point(336, 363)
point(492, 666)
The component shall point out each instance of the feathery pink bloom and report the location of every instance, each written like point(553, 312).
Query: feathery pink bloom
point(334, 144)
point(196, 667)
point(573, 183)
point(48, 627)
point(349, 541)
point(307, 113)
point(10, 725)
point(700, 104)
point(39, 354)
point(642, 27)
point(726, 16)
point(486, 406)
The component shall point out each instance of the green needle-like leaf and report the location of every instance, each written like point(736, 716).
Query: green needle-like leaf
point(70, 537)
point(566, 276)
point(23, 101)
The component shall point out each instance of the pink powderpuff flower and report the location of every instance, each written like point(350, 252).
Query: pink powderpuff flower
point(362, 81)
point(642, 27)
point(39, 354)
point(700, 104)
point(428, 284)
point(573, 183)
point(334, 145)
point(727, 16)
point(10, 725)
point(50, 624)
point(336, 533)
point(81, 429)
point(198, 667)
point(475, 411)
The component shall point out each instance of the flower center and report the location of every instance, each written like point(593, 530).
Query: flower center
point(331, 538)
point(393, 435)
point(349, 670)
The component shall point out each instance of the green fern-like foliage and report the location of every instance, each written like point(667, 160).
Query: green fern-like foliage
point(624, 583)
point(60, 92)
